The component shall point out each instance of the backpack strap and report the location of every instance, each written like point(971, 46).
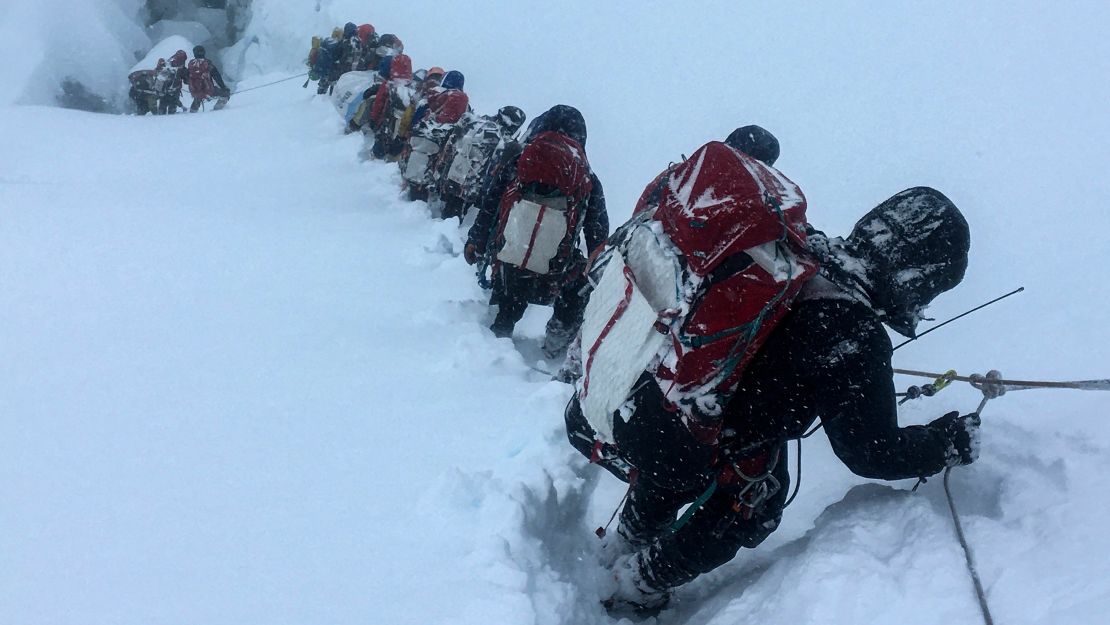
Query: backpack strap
point(728, 268)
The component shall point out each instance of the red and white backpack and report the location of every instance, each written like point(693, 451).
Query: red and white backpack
point(200, 79)
point(541, 210)
point(689, 290)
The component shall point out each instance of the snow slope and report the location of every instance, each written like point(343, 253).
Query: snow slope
point(242, 382)
point(264, 395)
point(45, 42)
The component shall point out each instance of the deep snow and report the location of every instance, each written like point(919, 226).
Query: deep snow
point(243, 382)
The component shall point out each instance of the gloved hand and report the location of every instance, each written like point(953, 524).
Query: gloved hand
point(470, 253)
point(962, 434)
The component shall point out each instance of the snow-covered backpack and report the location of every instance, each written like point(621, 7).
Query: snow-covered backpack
point(349, 92)
point(200, 79)
point(396, 98)
point(164, 80)
point(142, 81)
point(470, 152)
point(424, 144)
point(350, 53)
point(326, 57)
point(540, 211)
point(690, 289)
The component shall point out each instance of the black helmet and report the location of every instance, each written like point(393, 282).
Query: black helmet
point(198, 52)
point(756, 142)
point(511, 118)
point(913, 247)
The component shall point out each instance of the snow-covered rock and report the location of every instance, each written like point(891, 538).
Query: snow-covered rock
point(49, 46)
point(192, 31)
point(164, 50)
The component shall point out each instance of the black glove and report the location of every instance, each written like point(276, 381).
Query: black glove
point(962, 434)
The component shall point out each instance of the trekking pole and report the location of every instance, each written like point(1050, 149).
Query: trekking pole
point(963, 314)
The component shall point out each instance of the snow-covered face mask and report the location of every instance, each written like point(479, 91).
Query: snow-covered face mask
point(913, 247)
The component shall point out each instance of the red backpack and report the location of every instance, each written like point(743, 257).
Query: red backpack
point(690, 289)
point(200, 79)
point(541, 209)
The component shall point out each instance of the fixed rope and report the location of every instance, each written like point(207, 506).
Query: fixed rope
point(1013, 385)
point(928, 390)
point(992, 385)
point(969, 557)
point(269, 84)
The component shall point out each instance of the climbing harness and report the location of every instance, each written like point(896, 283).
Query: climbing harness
point(757, 489)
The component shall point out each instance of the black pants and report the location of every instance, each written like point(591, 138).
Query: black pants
point(453, 206)
point(144, 104)
point(514, 289)
point(654, 440)
point(710, 538)
point(168, 104)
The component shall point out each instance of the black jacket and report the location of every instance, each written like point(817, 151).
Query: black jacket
point(218, 79)
point(830, 359)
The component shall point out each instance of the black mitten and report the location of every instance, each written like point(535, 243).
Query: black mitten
point(962, 434)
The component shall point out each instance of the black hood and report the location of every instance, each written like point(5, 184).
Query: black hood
point(560, 118)
point(755, 141)
point(901, 255)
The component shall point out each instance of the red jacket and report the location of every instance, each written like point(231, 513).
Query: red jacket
point(448, 106)
point(400, 72)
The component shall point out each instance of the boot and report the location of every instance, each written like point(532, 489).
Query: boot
point(556, 339)
point(571, 368)
point(632, 593)
point(502, 328)
point(616, 545)
point(418, 193)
